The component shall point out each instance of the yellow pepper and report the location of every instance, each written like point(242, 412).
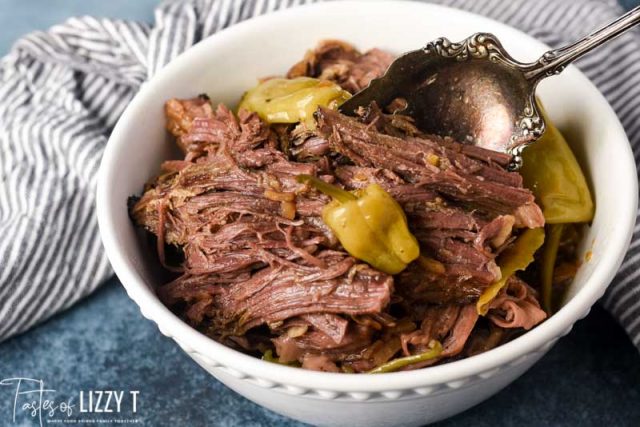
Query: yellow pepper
point(514, 258)
point(401, 362)
point(552, 173)
point(370, 225)
point(549, 255)
point(292, 100)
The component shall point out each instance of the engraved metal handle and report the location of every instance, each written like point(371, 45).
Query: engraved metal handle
point(554, 61)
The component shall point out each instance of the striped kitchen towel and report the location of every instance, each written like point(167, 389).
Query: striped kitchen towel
point(61, 92)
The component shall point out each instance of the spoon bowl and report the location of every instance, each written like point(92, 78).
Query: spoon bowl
point(474, 91)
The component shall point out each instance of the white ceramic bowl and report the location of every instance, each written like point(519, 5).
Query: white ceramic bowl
point(225, 65)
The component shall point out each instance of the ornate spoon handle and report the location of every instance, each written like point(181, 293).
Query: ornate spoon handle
point(554, 61)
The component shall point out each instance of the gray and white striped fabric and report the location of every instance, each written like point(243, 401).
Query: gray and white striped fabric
point(61, 92)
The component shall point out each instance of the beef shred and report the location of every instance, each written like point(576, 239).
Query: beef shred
point(260, 271)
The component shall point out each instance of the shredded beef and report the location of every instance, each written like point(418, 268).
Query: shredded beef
point(259, 269)
point(459, 219)
point(285, 290)
point(340, 62)
point(426, 163)
point(516, 306)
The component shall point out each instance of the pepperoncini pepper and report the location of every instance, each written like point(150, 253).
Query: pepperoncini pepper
point(393, 365)
point(552, 173)
point(292, 100)
point(370, 225)
point(548, 262)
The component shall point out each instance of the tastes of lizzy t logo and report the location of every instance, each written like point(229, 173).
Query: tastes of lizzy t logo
point(31, 398)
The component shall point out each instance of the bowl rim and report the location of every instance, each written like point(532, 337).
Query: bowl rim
point(537, 340)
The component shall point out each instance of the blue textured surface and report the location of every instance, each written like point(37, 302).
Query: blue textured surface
point(591, 378)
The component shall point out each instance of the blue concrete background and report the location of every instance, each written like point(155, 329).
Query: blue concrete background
point(590, 378)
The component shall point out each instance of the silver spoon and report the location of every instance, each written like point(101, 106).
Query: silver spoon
point(474, 91)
